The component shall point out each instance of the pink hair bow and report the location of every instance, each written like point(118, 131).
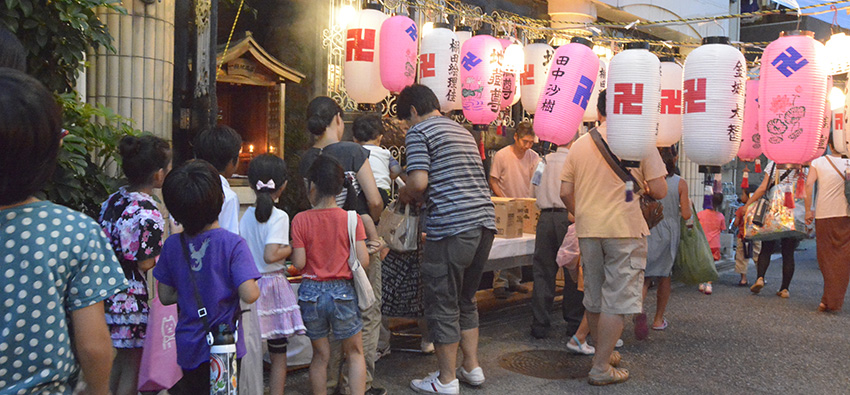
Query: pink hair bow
point(269, 184)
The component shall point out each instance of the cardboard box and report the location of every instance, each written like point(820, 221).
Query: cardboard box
point(508, 218)
point(530, 214)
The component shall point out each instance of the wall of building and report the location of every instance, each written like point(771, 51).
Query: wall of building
point(136, 81)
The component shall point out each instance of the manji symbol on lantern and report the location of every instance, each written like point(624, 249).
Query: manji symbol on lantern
point(438, 65)
point(538, 58)
point(399, 39)
point(362, 54)
point(713, 94)
point(792, 97)
point(633, 99)
point(670, 119)
point(481, 78)
point(567, 93)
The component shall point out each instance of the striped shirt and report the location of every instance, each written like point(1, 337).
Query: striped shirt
point(458, 193)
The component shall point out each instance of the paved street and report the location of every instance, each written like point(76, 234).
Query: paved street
point(729, 342)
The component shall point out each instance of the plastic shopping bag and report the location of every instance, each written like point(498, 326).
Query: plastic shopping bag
point(158, 369)
point(694, 262)
point(568, 254)
point(400, 230)
point(780, 221)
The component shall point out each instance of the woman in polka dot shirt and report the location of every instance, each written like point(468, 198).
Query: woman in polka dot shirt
point(56, 265)
point(134, 225)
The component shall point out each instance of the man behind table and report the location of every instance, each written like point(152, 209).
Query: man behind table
point(443, 160)
point(510, 177)
point(612, 238)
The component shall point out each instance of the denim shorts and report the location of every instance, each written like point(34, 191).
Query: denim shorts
point(329, 305)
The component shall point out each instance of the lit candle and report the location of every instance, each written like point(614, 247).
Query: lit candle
point(271, 149)
point(251, 148)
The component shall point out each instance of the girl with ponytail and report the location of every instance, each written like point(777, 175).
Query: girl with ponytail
point(266, 230)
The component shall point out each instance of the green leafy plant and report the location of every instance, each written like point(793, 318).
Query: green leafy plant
point(57, 34)
point(89, 162)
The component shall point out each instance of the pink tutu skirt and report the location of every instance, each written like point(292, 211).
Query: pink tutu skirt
point(278, 308)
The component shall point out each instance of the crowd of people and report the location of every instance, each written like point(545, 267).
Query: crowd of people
point(78, 287)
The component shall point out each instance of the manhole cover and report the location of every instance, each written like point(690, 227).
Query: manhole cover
point(547, 364)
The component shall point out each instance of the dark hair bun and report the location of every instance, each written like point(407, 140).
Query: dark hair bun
point(129, 146)
point(320, 113)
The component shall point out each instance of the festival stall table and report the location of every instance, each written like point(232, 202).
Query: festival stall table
point(508, 253)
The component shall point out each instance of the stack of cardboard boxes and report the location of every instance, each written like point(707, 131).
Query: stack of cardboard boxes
point(515, 216)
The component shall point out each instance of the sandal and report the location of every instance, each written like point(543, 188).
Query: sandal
point(615, 359)
point(580, 348)
point(661, 327)
point(612, 376)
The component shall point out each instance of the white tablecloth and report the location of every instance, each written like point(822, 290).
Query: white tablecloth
point(507, 248)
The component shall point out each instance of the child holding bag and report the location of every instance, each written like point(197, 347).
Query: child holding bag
point(266, 230)
point(327, 297)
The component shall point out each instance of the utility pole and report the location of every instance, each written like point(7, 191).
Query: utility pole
point(195, 107)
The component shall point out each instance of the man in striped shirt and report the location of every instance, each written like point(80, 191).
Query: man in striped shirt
point(443, 160)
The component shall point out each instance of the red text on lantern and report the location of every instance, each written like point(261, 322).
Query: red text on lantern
point(426, 65)
point(628, 99)
point(360, 45)
point(839, 121)
point(671, 101)
point(694, 95)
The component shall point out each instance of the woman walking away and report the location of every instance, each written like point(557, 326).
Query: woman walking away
point(663, 243)
point(787, 179)
point(266, 230)
point(134, 225)
point(328, 301)
point(832, 221)
point(57, 267)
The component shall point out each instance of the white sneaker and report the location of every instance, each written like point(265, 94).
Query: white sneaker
point(426, 347)
point(431, 385)
point(473, 378)
point(619, 343)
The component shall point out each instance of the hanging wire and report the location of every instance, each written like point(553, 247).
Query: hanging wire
point(230, 36)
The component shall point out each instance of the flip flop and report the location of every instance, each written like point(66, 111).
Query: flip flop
point(662, 327)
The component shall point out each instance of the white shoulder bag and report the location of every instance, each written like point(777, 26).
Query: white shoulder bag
point(365, 294)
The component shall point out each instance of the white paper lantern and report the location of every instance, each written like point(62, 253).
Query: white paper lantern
point(713, 103)
point(538, 57)
point(840, 137)
point(463, 33)
point(634, 94)
point(362, 70)
point(438, 65)
point(514, 59)
point(838, 53)
point(590, 113)
point(670, 119)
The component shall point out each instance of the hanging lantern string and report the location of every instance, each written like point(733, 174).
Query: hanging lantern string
point(230, 36)
point(473, 16)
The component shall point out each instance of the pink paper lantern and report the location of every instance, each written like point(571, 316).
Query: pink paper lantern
point(481, 76)
point(510, 81)
point(750, 137)
point(632, 102)
point(715, 77)
point(567, 93)
point(438, 65)
point(792, 97)
point(538, 58)
point(399, 39)
point(670, 119)
point(362, 70)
